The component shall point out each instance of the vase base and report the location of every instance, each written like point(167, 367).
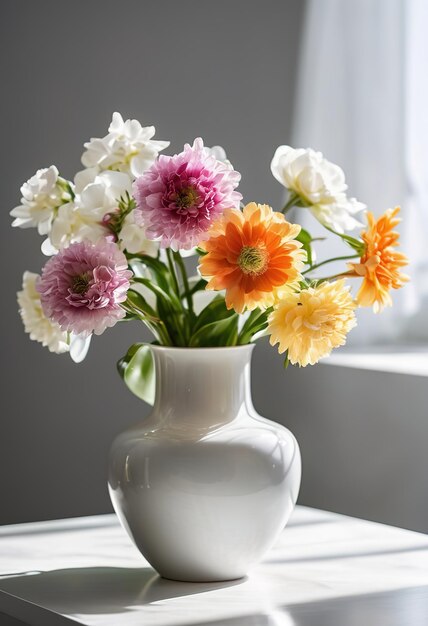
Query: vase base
point(203, 579)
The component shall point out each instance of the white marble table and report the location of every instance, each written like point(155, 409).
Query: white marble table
point(326, 570)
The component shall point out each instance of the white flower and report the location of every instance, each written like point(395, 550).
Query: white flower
point(219, 153)
point(70, 226)
point(339, 214)
point(102, 195)
point(79, 346)
point(308, 174)
point(39, 327)
point(42, 194)
point(97, 194)
point(319, 184)
point(128, 148)
point(42, 329)
point(132, 238)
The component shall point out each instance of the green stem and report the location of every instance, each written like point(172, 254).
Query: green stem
point(340, 275)
point(154, 324)
point(256, 320)
point(337, 258)
point(199, 286)
point(171, 266)
point(185, 280)
point(356, 244)
point(291, 202)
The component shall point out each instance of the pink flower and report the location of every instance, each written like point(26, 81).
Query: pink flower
point(81, 288)
point(179, 197)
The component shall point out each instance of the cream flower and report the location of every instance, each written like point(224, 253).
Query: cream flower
point(97, 194)
point(39, 327)
point(42, 194)
point(128, 148)
point(219, 153)
point(102, 195)
point(70, 226)
point(42, 329)
point(132, 238)
point(319, 184)
point(311, 323)
point(339, 214)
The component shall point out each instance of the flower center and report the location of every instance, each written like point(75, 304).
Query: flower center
point(186, 197)
point(253, 260)
point(80, 283)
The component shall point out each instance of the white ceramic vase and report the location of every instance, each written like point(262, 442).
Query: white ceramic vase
point(204, 485)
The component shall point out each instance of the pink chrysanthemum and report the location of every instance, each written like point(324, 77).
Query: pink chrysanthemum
point(81, 288)
point(179, 197)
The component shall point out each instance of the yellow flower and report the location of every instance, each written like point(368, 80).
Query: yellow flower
point(380, 264)
point(311, 323)
point(253, 255)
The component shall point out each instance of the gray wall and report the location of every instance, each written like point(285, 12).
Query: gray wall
point(363, 436)
point(223, 70)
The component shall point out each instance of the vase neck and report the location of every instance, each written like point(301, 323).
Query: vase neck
point(204, 387)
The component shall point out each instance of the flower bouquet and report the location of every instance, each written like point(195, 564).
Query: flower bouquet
point(118, 235)
point(123, 238)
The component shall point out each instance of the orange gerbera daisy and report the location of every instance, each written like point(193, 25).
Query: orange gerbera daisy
point(253, 255)
point(380, 264)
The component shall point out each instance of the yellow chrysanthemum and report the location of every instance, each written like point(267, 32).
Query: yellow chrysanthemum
point(311, 323)
point(380, 264)
point(253, 255)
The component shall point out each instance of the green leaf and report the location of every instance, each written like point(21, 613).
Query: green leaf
point(223, 332)
point(257, 321)
point(196, 285)
point(356, 244)
point(215, 311)
point(169, 298)
point(138, 302)
point(138, 371)
point(305, 239)
point(256, 329)
point(160, 272)
point(171, 312)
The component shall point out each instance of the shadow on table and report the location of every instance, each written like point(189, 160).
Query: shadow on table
point(402, 607)
point(101, 590)
point(111, 590)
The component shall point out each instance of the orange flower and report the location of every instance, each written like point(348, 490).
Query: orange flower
point(253, 255)
point(380, 264)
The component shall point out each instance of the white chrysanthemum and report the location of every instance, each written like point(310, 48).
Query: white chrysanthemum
point(97, 194)
point(41, 196)
point(39, 327)
point(319, 184)
point(128, 148)
point(133, 239)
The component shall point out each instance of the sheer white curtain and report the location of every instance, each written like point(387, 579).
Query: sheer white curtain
point(362, 100)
